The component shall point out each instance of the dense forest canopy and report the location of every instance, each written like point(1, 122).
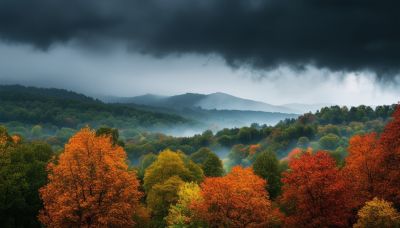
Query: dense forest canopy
point(328, 129)
point(54, 115)
point(326, 180)
point(102, 176)
point(63, 108)
point(200, 114)
point(37, 112)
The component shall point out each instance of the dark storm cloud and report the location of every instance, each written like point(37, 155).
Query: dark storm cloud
point(344, 35)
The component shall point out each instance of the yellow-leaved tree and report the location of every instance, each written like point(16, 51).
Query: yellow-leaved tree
point(180, 214)
point(377, 213)
point(162, 180)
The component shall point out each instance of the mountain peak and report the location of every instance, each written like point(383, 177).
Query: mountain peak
point(217, 100)
point(220, 93)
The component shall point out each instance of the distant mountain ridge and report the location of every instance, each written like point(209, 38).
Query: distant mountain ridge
point(49, 93)
point(217, 101)
point(145, 99)
point(63, 108)
point(216, 111)
point(223, 101)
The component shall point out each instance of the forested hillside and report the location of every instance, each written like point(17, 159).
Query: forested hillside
point(328, 129)
point(219, 119)
point(68, 109)
point(37, 113)
point(255, 114)
point(179, 181)
point(54, 115)
point(340, 173)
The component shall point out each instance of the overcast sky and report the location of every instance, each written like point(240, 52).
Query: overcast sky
point(287, 51)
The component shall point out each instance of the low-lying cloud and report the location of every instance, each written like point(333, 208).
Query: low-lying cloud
point(120, 73)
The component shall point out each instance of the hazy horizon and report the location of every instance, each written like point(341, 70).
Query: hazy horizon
point(112, 49)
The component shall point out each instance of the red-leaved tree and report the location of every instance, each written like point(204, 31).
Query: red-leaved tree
point(389, 147)
point(314, 193)
point(362, 169)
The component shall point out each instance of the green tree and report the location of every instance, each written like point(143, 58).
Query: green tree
point(37, 131)
point(267, 167)
point(248, 135)
point(329, 141)
point(303, 142)
point(206, 138)
point(201, 155)
point(209, 162)
point(226, 140)
point(161, 196)
point(145, 162)
point(212, 166)
point(112, 132)
point(22, 173)
point(65, 133)
point(237, 154)
point(196, 172)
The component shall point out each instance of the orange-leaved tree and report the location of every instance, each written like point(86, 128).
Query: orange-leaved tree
point(389, 146)
point(362, 168)
point(90, 185)
point(238, 199)
point(314, 193)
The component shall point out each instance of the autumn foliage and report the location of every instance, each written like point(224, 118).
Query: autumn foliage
point(362, 168)
point(180, 214)
point(314, 193)
point(90, 185)
point(296, 153)
point(389, 147)
point(378, 213)
point(238, 199)
point(163, 179)
point(372, 167)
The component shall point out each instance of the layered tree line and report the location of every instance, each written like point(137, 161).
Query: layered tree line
point(329, 129)
point(55, 115)
point(91, 183)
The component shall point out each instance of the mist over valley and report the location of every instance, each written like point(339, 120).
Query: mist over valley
point(200, 113)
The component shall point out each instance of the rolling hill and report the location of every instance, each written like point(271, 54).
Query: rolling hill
point(218, 101)
point(62, 108)
point(216, 111)
point(177, 115)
